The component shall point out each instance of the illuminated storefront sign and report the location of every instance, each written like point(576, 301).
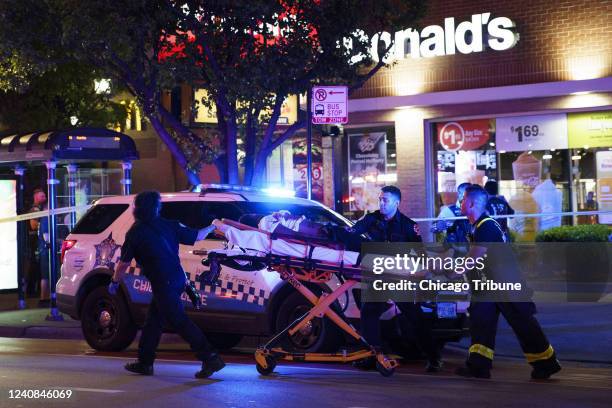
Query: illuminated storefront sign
point(592, 129)
point(435, 41)
point(367, 167)
point(205, 114)
point(522, 133)
point(604, 184)
point(463, 135)
point(8, 235)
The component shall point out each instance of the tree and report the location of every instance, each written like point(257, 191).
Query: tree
point(53, 99)
point(121, 39)
point(249, 55)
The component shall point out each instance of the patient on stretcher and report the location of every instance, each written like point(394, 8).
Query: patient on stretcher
point(293, 233)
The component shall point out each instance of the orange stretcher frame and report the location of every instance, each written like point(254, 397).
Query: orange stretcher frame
point(298, 270)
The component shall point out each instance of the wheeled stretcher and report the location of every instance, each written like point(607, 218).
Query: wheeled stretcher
point(296, 271)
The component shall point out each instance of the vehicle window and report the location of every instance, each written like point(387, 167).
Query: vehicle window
point(199, 214)
point(311, 212)
point(98, 218)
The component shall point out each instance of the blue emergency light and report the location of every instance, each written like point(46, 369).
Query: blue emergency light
point(270, 191)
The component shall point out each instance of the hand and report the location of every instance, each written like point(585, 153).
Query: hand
point(113, 287)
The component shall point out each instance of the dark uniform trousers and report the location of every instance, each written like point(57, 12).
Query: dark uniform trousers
point(167, 307)
point(370, 321)
point(520, 316)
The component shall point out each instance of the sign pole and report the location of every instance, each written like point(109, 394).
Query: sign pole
point(309, 145)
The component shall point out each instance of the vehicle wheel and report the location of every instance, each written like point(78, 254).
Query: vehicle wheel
point(223, 341)
point(320, 335)
point(383, 371)
point(271, 362)
point(106, 321)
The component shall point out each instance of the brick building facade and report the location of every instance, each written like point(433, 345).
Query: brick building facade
point(560, 65)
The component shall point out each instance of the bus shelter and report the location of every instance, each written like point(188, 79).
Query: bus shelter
point(65, 149)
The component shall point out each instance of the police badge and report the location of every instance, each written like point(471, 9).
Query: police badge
point(105, 252)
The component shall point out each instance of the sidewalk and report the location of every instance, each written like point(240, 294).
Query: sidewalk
point(31, 323)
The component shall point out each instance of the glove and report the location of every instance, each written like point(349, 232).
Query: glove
point(194, 295)
point(113, 287)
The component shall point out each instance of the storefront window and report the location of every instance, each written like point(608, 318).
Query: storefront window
point(551, 163)
point(535, 182)
point(372, 164)
point(465, 152)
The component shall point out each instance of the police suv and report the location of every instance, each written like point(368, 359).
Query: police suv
point(241, 303)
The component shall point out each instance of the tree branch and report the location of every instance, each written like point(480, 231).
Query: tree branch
point(290, 131)
point(364, 78)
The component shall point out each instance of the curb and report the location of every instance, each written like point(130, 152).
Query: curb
point(42, 332)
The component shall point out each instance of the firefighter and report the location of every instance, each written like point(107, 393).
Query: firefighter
point(484, 315)
point(388, 224)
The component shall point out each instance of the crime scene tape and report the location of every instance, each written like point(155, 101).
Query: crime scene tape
point(538, 215)
point(67, 210)
point(44, 213)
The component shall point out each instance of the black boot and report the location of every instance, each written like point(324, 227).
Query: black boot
point(544, 369)
point(211, 365)
point(139, 368)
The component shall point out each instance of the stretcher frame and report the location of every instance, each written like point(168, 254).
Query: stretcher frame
point(295, 271)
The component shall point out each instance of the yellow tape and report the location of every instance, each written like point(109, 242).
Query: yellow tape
point(482, 350)
point(545, 355)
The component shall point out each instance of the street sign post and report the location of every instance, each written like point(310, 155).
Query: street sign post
point(329, 104)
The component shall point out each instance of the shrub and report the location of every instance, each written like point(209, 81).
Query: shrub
point(575, 233)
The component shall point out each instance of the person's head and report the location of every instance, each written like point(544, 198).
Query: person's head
point(491, 188)
point(474, 202)
point(39, 196)
point(388, 200)
point(461, 191)
point(147, 206)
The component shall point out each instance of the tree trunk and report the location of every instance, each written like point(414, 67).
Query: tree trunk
point(250, 149)
point(175, 150)
point(221, 166)
point(259, 170)
point(232, 153)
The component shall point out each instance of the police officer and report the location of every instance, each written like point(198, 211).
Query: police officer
point(388, 224)
point(154, 242)
point(497, 205)
point(485, 314)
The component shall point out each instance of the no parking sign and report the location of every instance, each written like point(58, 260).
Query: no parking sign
point(329, 104)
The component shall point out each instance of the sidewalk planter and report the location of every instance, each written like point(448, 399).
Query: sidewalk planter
point(587, 258)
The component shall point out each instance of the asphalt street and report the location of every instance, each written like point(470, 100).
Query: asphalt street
point(98, 379)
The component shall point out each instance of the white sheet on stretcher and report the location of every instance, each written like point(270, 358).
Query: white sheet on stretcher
point(254, 241)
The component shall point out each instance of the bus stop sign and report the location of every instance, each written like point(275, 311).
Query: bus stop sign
point(329, 104)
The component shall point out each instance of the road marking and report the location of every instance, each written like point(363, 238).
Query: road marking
point(100, 390)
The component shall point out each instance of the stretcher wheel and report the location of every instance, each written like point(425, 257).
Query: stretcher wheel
point(385, 372)
point(271, 365)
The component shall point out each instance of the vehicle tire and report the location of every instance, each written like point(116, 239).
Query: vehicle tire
point(106, 321)
point(223, 341)
point(384, 371)
point(271, 362)
point(319, 336)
